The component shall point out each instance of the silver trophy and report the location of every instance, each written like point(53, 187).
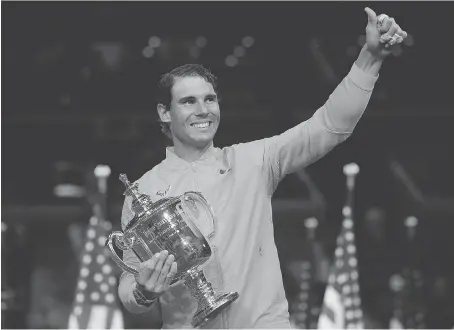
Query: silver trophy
point(170, 224)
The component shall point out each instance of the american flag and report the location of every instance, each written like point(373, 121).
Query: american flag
point(299, 316)
point(341, 307)
point(409, 309)
point(305, 308)
point(95, 303)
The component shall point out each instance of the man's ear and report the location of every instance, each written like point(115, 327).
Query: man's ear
point(164, 113)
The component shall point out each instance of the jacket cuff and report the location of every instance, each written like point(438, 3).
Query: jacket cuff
point(361, 79)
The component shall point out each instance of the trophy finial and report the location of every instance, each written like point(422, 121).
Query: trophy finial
point(131, 189)
point(140, 201)
point(124, 179)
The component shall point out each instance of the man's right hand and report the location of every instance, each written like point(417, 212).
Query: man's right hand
point(156, 274)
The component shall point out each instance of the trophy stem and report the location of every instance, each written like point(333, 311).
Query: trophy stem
point(209, 304)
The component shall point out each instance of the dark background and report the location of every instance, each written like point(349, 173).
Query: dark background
point(77, 91)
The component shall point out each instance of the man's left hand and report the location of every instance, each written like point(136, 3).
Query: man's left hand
point(383, 34)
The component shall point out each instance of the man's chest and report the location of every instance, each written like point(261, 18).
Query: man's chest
point(225, 188)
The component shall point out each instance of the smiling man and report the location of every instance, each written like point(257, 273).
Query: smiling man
point(239, 181)
point(189, 110)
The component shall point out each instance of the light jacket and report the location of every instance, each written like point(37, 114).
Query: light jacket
point(238, 182)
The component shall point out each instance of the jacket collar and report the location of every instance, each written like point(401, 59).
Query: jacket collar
point(173, 161)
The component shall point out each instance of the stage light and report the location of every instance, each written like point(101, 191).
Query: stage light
point(148, 52)
point(201, 41)
point(411, 221)
point(311, 223)
point(154, 42)
point(231, 61)
point(239, 51)
point(248, 41)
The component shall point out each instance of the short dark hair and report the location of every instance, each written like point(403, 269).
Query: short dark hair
point(164, 94)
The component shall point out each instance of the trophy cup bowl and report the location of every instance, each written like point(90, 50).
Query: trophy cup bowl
point(170, 224)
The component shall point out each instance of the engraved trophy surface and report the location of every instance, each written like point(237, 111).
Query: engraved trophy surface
point(170, 224)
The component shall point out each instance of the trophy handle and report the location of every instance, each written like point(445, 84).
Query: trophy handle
point(119, 239)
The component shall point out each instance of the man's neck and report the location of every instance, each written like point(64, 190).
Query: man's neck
point(189, 153)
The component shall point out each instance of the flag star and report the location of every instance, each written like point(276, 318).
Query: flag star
point(112, 280)
point(107, 226)
point(91, 233)
point(315, 310)
point(339, 263)
point(82, 285)
point(86, 259)
point(106, 269)
point(351, 248)
point(354, 275)
point(89, 246)
point(102, 240)
point(305, 276)
point(98, 277)
point(84, 272)
point(80, 297)
point(100, 259)
point(349, 236)
point(331, 279)
point(93, 221)
point(77, 310)
point(348, 223)
point(339, 252)
point(346, 289)
point(347, 211)
point(352, 262)
point(94, 296)
point(303, 295)
point(349, 314)
point(348, 302)
point(104, 287)
point(358, 313)
point(302, 306)
point(342, 278)
point(110, 298)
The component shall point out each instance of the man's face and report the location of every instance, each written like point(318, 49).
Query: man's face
point(194, 111)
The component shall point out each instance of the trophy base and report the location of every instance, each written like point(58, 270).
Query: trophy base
point(211, 311)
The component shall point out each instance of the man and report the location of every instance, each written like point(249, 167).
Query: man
point(238, 182)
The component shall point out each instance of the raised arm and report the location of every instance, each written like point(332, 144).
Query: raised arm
point(333, 123)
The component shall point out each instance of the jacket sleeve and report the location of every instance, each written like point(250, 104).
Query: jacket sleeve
point(330, 125)
point(127, 281)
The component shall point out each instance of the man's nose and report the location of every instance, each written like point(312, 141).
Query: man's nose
point(201, 108)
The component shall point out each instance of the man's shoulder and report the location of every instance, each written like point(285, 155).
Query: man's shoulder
point(150, 174)
point(249, 152)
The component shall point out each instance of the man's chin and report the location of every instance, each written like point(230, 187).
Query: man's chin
point(202, 142)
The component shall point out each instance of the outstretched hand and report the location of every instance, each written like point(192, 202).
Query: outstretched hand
point(383, 34)
point(156, 274)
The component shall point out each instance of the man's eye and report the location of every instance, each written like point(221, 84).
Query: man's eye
point(210, 99)
point(189, 102)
